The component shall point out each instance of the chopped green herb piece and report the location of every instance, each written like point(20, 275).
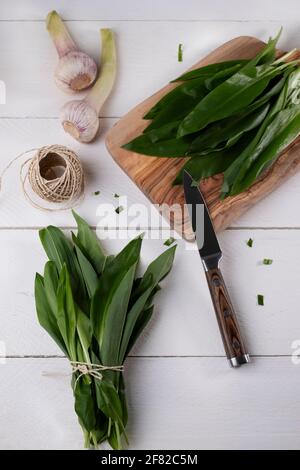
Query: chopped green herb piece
point(194, 184)
point(180, 55)
point(170, 241)
point(116, 195)
point(250, 242)
point(96, 193)
point(267, 261)
point(260, 299)
point(119, 209)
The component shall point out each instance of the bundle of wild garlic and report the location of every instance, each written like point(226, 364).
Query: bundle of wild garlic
point(95, 308)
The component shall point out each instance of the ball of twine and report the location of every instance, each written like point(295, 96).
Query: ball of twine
point(55, 174)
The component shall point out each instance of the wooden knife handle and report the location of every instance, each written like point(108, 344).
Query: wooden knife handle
point(228, 325)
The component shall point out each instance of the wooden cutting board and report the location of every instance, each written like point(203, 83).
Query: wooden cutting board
point(154, 175)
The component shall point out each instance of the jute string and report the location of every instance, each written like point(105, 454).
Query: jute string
point(42, 176)
point(93, 370)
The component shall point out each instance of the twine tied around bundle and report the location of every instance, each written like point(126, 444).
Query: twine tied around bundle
point(92, 370)
point(54, 174)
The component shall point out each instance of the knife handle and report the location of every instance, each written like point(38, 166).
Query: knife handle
point(228, 325)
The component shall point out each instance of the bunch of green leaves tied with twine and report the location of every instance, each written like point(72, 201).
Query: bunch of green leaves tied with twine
point(95, 307)
point(233, 117)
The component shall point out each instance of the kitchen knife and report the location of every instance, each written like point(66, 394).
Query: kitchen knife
point(211, 253)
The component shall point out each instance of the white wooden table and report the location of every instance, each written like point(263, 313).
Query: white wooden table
point(181, 392)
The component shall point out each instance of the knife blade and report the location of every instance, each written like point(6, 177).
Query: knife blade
point(211, 253)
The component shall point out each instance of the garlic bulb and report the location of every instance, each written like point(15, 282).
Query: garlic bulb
point(75, 70)
point(80, 117)
point(80, 120)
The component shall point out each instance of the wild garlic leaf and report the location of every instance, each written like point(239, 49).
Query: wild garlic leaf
point(66, 312)
point(161, 266)
point(88, 273)
point(268, 52)
point(139, 326)
point(110, 401)
point(60, 250)
point(109, 304)
point(57, 247)
point(237, 170)
point(45, 314)
point(84, 331)
point(228, 129)
point(185, 94)
point(113, 439)
point(114, 325)
point(221, 76)
point(213, 163)
point(187, 97)
point(284, 129)
point(51, 284)
point(230, 97)
point(172, 148)
point(155, 272)
point(134, 312)
point(210, 70)
point(122, 397)
point(84, 404)
point(90, 243)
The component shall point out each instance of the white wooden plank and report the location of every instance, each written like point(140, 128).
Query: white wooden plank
point(151, 10)
point(278, 209)
point(174, 403)
point(184, 321)
point(102, 173)
point(147, 58)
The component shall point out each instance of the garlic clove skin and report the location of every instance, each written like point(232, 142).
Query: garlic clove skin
point(80, 120)
point(75, 72)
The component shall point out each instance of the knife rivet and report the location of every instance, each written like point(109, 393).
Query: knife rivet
point(226, 312)
point(216, 282)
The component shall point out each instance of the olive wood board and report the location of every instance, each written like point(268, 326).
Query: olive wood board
point(154, 175)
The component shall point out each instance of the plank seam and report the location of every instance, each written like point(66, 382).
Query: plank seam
point(56, 118)
point(154, 356)
point(73, 227)
point(167, 20)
